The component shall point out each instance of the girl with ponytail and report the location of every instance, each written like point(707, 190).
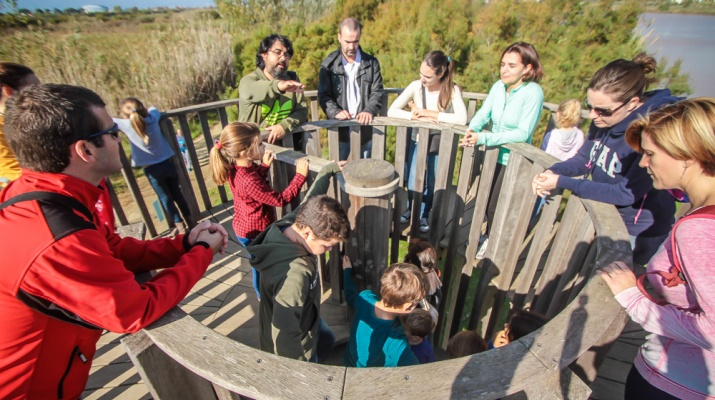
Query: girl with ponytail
point(151, 151)
point(432, 98)
point(233, 159)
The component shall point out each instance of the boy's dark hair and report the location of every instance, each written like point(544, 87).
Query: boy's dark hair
point(419, 322)
point(402, 283)
point(43, 121)
point(13, 74)
point(421, 254)
point(325, 216)
point(266, 45)
point(465, 343)
point(524, 322)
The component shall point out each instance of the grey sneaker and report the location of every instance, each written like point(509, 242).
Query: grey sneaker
point(424, 225)
point(405, 218)
point(484, 240)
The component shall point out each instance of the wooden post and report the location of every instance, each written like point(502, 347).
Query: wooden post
point(369, 186)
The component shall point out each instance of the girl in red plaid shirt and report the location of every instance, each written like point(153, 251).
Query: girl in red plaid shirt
point(233, 160)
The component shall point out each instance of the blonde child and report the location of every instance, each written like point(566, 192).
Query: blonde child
point(233, 160)
point(564, 141)
point(152, 152)
point(377, 338)
point(418, 325)
point(465, 343)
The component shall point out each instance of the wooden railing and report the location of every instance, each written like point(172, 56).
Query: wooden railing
point(547, 264)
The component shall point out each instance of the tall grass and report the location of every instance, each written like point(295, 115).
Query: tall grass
point(182, 60)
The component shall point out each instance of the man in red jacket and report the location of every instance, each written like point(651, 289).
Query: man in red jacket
point(65, 277)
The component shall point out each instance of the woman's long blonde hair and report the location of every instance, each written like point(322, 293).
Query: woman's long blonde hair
point(236, 138)
point(137, 117)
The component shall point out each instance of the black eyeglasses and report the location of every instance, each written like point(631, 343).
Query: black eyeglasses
point(114, 131)
point(602, 112)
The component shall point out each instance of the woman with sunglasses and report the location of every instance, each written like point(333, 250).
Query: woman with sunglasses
point(617, 96)
point(151, 151)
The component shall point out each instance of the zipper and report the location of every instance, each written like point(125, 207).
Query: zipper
point(82, 357)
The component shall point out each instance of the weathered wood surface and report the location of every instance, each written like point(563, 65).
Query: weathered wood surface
point(521, 263)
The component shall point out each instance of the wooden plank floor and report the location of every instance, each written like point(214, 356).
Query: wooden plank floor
point(223, 300)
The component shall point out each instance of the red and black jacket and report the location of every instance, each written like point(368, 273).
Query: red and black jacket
point(64, 278)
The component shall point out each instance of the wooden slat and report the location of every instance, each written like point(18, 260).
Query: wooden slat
point(311, 139)
point(565, 243)
point(184, 124)
point(314, 115)
point(164, 376)
point(419, 179)
point(222, 116)
point(187, 188)
point(355, 143)
point(443, 178)
point(206, 131)
point(400, 198)
point(333, 144)
point(512, 216)
point(136, 193)
point(232, 365)
point(118, 210)
point(378, 142)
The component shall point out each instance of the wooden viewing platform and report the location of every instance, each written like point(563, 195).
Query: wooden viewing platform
point(548, 266)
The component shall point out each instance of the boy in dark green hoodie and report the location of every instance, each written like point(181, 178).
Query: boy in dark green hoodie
point(285, 254)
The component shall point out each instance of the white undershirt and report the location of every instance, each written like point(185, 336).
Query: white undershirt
point(352, 89)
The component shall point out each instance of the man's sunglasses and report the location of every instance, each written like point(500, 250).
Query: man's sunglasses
point(602, 112)
point(114, 131)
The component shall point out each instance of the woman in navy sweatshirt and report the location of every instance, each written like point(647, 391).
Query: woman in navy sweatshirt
point(609, 168)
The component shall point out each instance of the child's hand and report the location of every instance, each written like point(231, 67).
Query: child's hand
point(301, 166)
point(268, 157)
point(346, 263)
point(500, 339)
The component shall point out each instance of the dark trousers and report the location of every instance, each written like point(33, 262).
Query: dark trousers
point(494, 194)
point(637, 388)
point(165, 181)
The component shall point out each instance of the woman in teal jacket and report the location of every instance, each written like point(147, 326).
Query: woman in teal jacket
point(513, 106)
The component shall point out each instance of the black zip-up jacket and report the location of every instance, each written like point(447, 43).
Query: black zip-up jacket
point(333, 80)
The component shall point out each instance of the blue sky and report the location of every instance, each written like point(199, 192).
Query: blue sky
point(62, 4)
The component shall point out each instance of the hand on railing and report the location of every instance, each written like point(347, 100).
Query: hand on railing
point(364, 118)
point(543, 183)
point(470, 139)
point(618, 277)
point(268, 157)
point(302, 166)
point(277, 132)
point(343, 115)
point(420, 114)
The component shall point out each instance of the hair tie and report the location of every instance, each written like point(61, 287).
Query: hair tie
point(218, 144)
point(449, 59)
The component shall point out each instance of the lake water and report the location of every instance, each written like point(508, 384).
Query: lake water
point(690, 38)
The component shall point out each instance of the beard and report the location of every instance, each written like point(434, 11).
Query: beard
point(279, 73)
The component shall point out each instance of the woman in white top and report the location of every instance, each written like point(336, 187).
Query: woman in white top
point(432, 98)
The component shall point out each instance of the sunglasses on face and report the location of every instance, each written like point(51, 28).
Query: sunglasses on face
point(114, 131)
point(602, 112)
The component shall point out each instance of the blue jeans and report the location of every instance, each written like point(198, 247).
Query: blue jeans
point(326, 341)
point(365, 150)
point(430, 175)
point(256, 276)
point(165, 181)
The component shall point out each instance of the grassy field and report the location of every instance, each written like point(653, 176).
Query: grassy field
point(168, 59)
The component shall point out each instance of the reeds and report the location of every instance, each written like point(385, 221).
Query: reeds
point(180, 61)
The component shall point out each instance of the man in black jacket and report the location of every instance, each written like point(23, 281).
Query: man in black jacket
point(351, 87)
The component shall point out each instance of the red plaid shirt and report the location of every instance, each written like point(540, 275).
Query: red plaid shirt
point(254, 201)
